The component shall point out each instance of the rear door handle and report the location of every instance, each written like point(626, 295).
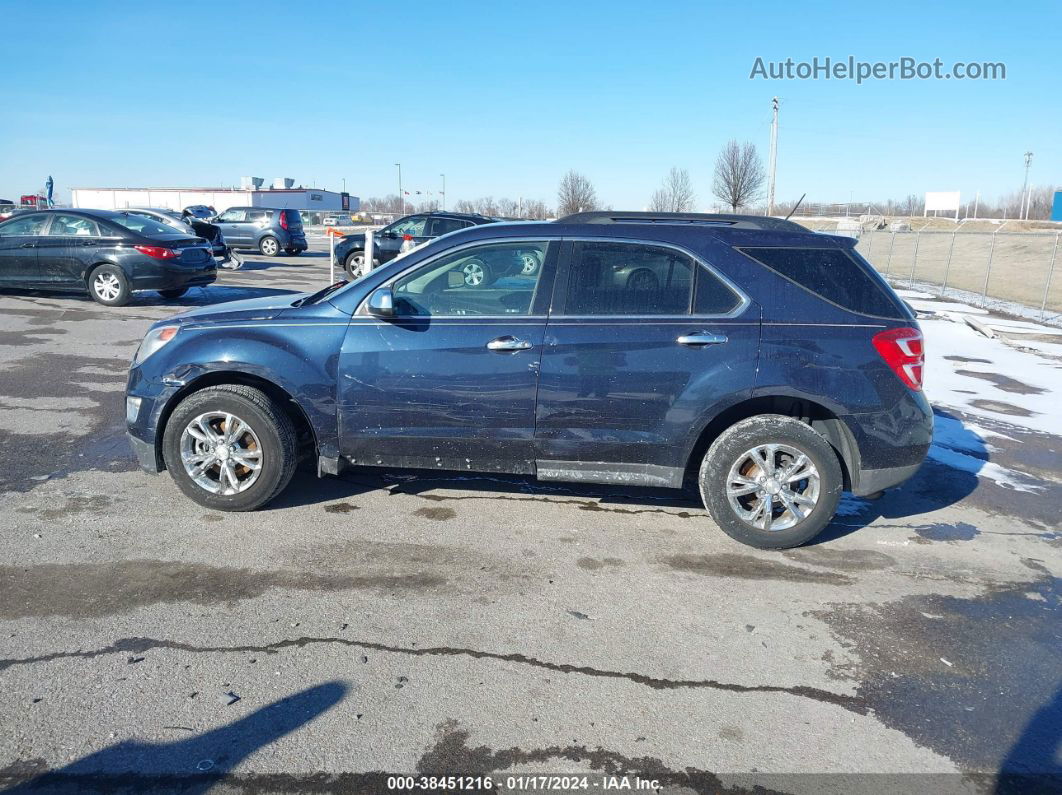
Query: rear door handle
point(701, 338)
point(508, 343)
point(28, 245)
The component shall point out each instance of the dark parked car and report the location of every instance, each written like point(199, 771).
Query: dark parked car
point(387, 242)
point(771, 366)
point(268, 230)
point(210, 233)
point(108, 253)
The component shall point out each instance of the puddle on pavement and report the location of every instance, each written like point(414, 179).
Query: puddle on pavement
point(1003, 382)
point(841, 559)
point(749, 568)
point(436, 514)
point(942, 531)
point(99, 589)
point(1001, 408)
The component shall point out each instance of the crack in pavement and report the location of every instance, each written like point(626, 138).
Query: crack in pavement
point(140, 645)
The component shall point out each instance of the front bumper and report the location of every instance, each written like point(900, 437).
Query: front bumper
point(145, 454)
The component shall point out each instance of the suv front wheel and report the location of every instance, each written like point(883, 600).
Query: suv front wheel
point(771, 482)
point(230, 447)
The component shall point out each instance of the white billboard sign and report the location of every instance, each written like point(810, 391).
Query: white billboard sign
point(946, 201)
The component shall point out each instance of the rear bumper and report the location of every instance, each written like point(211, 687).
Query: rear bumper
point(171, 278)
point(870, 481)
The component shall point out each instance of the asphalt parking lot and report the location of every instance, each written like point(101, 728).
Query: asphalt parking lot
point(443, 624)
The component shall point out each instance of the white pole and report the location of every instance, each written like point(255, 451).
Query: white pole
point(368, 252)
point(772, 166)
point(331, 258)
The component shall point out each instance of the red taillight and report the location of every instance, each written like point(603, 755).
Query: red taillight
point(902, 350)
point(283, 219)
point(157, 252)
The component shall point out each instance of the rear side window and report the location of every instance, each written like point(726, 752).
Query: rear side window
point(443, 226)
point(628, 279)
point(831, 274)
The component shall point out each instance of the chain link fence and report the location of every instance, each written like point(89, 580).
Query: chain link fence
point(1011, 266)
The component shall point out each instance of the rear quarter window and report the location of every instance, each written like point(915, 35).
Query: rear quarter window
point(832, 274)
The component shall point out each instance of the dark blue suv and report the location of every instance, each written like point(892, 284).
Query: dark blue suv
point(771, 366)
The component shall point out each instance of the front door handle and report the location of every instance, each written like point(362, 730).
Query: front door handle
point(701, 338)
point(508, 343)
point(28, 245)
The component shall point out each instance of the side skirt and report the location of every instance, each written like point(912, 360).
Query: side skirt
point(611, 472)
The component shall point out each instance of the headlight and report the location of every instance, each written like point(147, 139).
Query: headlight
point(154, 340)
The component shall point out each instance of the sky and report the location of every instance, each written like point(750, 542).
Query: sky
point(505, 97)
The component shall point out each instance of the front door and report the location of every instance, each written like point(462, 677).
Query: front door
point(18, 250)
point(449, 382)
point(233, 226)
point(643, 340)
point(388, 243)
point(69, 240)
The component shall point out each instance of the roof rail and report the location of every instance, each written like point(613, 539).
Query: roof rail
point(710, 219)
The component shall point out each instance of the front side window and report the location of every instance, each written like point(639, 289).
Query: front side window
point(414, 225)
point(73, 225)
point(233, 216)
point(25, 226)
point(492, 279)
point(629, 279)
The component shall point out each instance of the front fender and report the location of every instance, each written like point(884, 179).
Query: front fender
point(298, 357)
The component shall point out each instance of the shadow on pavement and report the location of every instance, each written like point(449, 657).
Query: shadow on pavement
point(192, 765)
point(1032, 763)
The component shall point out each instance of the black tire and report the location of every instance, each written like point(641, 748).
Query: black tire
point(272, 427)
point(293, 252)
point(728, 451)
point(269, 246)
point(176, 292)
point(353, 264)
point(108, 285)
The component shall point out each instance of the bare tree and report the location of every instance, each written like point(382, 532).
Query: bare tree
point(536, 210)
point(387, 204)
point(675, 195)
point(509, 208)
point(464, 206)
point(575, 194)
point(739, 175)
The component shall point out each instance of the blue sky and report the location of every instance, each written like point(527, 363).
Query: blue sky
point(504, 98)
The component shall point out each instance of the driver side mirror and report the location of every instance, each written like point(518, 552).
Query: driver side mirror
point(382, 303)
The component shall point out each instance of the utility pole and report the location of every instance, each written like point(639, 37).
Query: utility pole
point(773, 163)
point(977, 203)
point(401, 195)
point(443, 192)
point(1023, 211)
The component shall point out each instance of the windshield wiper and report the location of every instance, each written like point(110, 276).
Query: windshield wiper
point(313, 298)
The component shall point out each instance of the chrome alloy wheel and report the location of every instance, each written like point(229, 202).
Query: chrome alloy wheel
point(773, 487)
point(106, 286)
point(270, 247)
point(528, 264)
point(474, 273)
point(221, 453)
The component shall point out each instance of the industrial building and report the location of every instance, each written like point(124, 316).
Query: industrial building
point(282, 195)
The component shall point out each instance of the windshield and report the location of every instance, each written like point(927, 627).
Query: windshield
point(142, 225)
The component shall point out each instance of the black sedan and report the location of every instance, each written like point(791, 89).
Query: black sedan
point(107, 253)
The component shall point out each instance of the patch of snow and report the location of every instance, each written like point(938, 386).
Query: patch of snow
point(956, 459)
point(945, 386)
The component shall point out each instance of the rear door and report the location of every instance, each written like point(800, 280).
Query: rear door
point(389, 244)
point(18, 250)
point(68, 242)
point(643, 341)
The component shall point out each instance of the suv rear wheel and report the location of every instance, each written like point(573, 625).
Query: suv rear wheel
point(230, 447)
point(269, 246)
point(771, 482)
